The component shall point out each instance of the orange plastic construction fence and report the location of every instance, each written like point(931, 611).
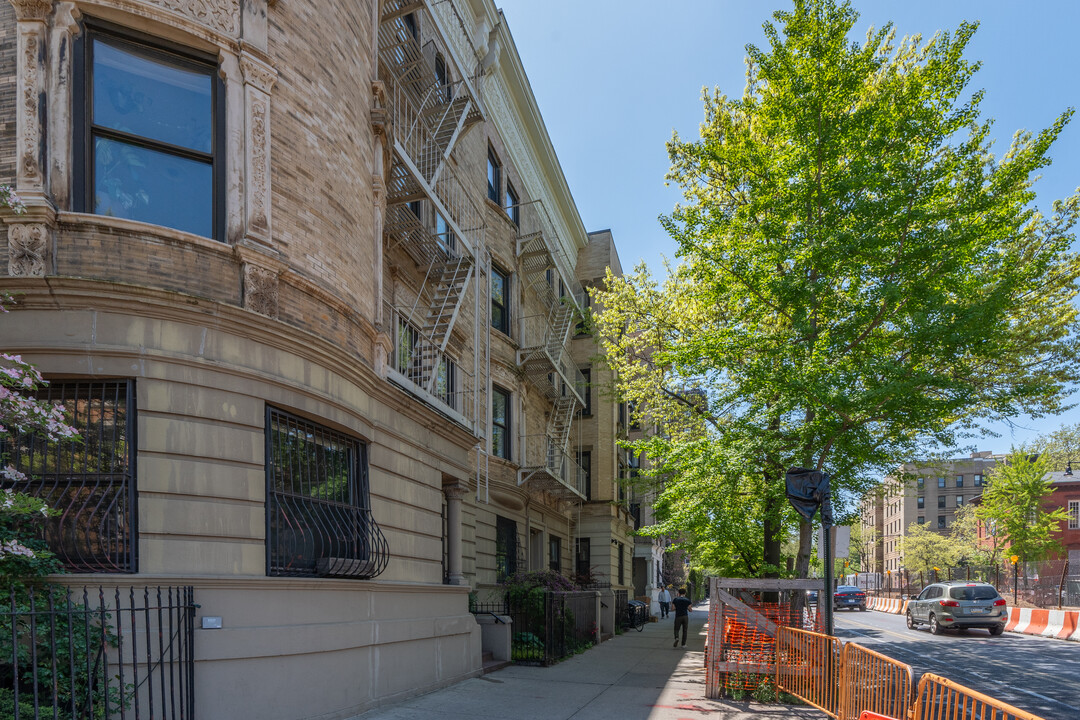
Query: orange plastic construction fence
point(741, 653)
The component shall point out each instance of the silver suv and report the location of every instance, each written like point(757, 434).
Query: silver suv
point(957, 604)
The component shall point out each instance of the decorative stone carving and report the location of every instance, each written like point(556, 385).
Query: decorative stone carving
point(261, 290)
point(455, 491)
point(259, 77)
point(221, 15)
point(31, 9)
point(28, 249)
point(30, 170)
point(258, 73)
point(259, 163)
point(64, 27)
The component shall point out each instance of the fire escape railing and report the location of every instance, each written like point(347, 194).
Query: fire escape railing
point(419, 366)
point(555, 300)
point(546, 466)
point(552, 301)
point(431, 77)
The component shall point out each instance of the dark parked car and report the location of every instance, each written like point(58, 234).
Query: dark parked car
point(849, 596)
point(959, 605)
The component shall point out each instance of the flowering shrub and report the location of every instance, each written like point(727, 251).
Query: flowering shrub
point(9, 199)
point(56, 665)
point(23, 555)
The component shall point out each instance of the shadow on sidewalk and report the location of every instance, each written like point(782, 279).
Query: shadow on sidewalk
point(633, 676)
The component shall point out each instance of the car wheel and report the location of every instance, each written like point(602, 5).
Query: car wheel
point(910, 621)
point(935, 629)
point(997, 630)
point(862, 608)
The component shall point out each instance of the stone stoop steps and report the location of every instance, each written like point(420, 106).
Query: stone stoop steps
point(1061, 624)
point(491, 664)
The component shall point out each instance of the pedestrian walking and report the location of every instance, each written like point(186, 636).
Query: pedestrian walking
point(665, 602)
point(682, 616)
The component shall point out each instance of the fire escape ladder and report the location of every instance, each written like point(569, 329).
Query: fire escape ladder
point(562, 417)
point(447, 134)
point(429, 111)
point(452, 277)
point(392, 9)
point(561, 320)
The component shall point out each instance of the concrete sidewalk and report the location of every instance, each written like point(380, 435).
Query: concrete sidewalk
point(635, 676)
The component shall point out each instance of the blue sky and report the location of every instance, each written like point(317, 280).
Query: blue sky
point(614, 78)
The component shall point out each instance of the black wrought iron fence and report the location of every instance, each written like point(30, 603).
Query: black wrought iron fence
point(547, 626)
point(105, 654)
point(622, 597)
point(1046, 584)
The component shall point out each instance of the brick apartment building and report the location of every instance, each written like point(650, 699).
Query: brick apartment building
point(262, 233)
point(1065, 494)
point(927, 493)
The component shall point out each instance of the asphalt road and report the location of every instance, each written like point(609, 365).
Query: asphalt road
point(1033, 673)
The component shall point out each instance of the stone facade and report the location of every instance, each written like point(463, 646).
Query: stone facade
point(606, 520)
point(298, 305)
point(920, 493)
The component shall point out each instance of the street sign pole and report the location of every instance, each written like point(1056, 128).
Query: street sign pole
point(826, 532)
point(808, 490)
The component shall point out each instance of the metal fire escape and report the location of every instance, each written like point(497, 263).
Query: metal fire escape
point(545, 354)
point(429, 211)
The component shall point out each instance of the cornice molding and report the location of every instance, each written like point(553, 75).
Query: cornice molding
point(257, 583)
point(61, 293)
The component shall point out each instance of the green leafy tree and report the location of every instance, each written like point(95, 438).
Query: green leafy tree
point(964, 534)
point(1061, 446)
point(1013, 507)
point(924, 549)
point(47, 660)
point(864, 543)
point(860, 279)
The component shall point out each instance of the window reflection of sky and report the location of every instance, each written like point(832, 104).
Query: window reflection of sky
point(138, 94)
point(141, 184)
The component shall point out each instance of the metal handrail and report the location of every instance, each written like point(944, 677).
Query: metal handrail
point(413, 360)
point(536, 235)
point(542, 459)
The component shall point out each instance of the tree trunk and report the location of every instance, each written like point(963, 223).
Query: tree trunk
point(806, 544)
point(773, 527)
point(773, 534)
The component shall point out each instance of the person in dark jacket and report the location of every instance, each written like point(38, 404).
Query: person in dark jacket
point(682, 616)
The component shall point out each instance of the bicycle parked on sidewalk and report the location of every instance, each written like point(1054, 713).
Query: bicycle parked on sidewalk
point(637, 614)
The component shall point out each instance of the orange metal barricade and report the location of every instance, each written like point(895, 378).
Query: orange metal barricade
point(939, 698)
point(808, 667)
point(874, 683)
